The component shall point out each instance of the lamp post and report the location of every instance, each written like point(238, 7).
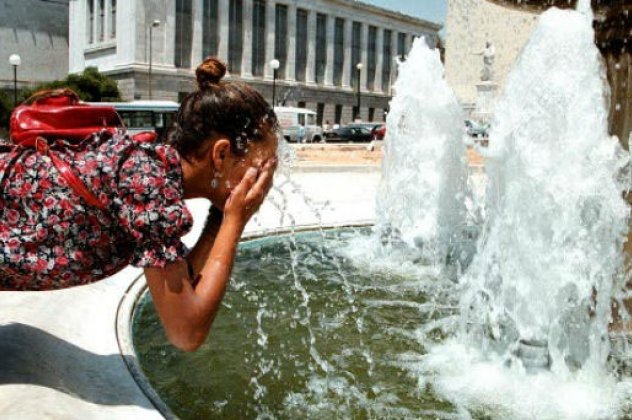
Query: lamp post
point(154, 24)
point(15, 61)
point(274, 64)
point(359, 67)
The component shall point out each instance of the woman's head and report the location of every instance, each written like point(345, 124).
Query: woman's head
point(223, 128)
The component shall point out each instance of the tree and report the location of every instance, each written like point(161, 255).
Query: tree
point(91, 86)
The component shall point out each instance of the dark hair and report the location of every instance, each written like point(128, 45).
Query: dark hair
point(233, 109)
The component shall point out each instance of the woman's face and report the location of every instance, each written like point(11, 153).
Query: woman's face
point(257, 154)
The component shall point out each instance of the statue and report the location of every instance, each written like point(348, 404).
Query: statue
point(489, 54)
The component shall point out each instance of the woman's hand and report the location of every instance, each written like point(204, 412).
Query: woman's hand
point(244, 201)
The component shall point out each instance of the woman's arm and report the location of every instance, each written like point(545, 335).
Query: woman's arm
point(187, 311)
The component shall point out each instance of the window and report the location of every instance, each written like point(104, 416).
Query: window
point(301, 44)
point(258, 37)
point(101, 20)
point(113, 19)
point(371, 114)
point(356, 113)
point(401, 46)
point(210, 28)
point(184, 33)
point(235, 36)
point(280, 38)
point(320, 112)
point(338, 114)
point(339, 50)
point(311, 119)
point(387, 63)
point(302, 104)
point(372, 58)
point(356, 52)
point(90, 28)
point(321, 47)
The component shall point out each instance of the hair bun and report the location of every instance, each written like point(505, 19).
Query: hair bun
point(210, 72)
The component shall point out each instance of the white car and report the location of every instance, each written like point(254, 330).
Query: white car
point(292, 120)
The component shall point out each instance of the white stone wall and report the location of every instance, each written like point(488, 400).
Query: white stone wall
point(38, 32)
point(470, 23)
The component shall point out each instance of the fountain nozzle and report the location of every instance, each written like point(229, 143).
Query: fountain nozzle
point(534, 355)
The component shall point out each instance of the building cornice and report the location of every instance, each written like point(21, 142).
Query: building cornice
point(360, 5)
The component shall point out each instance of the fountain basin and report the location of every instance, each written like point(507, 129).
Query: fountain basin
point(321, 338)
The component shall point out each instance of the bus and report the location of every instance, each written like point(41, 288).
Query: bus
point(141, 116)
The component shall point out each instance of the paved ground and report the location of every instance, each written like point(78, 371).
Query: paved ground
point(368, 154)
point(59, 356)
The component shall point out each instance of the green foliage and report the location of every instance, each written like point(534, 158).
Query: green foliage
point(91, 86)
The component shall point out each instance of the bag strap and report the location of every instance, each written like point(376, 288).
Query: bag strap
point(73, 181)
point(72, 96)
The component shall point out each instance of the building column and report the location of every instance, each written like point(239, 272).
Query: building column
point(107, 36)
point(95, 25)
point(223, 19)
point(196, 47)
point(394, 63)
point(310, 74)
point(346, 68)
point(329, 67)
point(364, 57)
point(246, 58)
point(165, 34)
point(268, 73)
point(290, 71)
point(379, 62)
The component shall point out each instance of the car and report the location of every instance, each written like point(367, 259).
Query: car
point(373, 126)
point(477, 129)
point(380, 132)
point(292, 120)
point(350, 134)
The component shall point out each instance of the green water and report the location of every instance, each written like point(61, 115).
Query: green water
point(326, 340)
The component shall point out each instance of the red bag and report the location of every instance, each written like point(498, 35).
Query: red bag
point(59, 114)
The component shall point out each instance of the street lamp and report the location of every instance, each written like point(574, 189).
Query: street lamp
point(274, 64)
point(359, 66)
point(15, 61)
point(154, 24)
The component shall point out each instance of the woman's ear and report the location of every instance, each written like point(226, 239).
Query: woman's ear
point(220, 152)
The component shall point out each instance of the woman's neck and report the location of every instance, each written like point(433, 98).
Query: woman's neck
point(191, 181)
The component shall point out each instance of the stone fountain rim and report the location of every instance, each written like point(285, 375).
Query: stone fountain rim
point(137, 290)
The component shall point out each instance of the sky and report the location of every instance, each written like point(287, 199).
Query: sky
point(433, 10)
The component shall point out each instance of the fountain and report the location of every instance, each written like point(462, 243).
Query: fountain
point(536, 301)
point(368, 322)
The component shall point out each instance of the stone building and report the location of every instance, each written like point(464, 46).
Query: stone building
point(317, 42)
point(38, 31)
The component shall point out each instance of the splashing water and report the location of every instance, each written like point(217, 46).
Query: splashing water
point(420, 197)
point(536, 301)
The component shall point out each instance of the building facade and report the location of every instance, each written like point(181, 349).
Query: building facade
point(37, 31)
point(318, 44)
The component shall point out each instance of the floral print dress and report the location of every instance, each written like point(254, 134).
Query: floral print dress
point(50, 238)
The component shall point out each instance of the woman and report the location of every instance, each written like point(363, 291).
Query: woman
point(222, 147)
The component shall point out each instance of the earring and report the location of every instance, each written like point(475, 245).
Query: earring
point(215, 181)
